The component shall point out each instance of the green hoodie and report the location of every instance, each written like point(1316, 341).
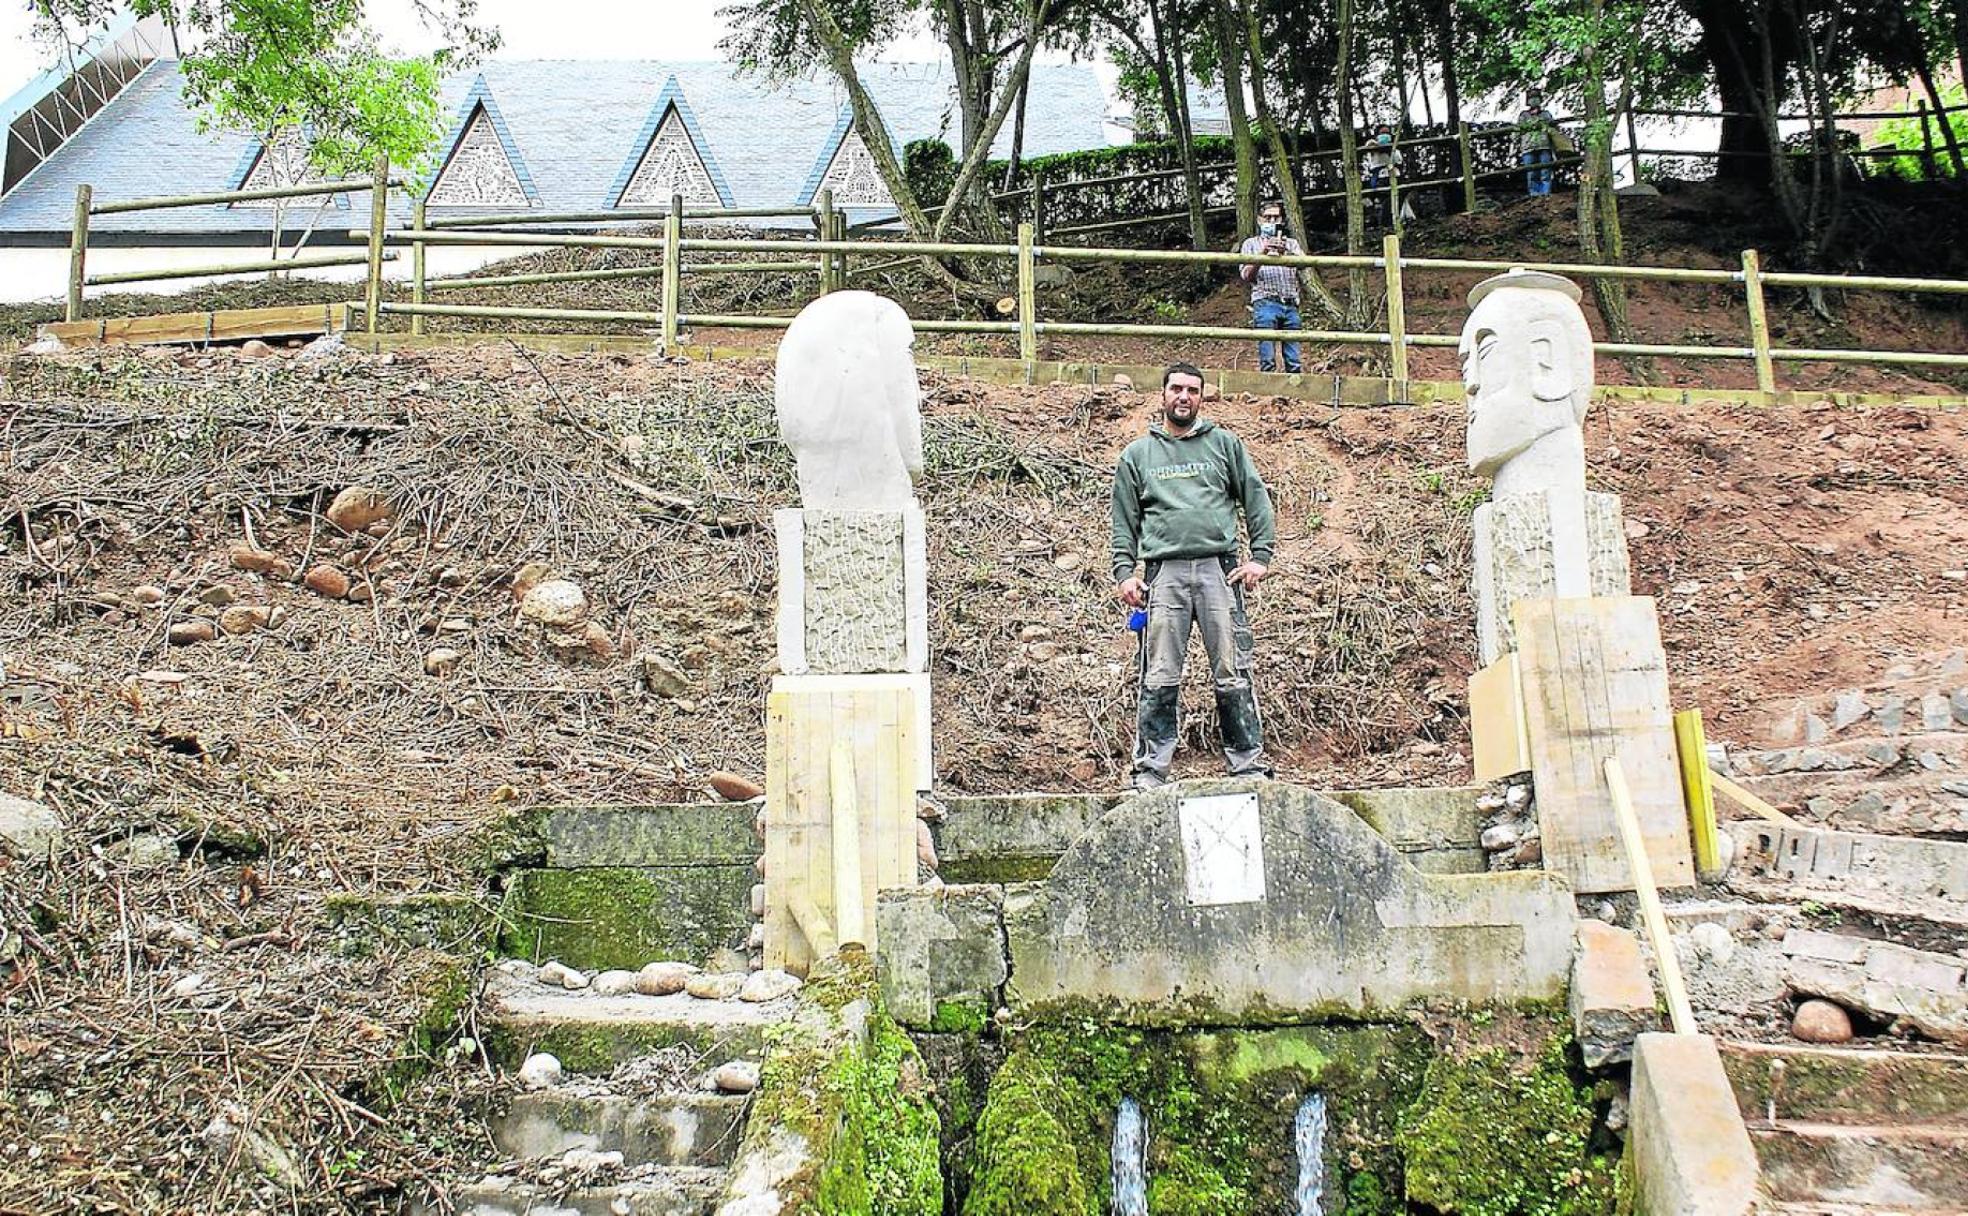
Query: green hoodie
point(1178, 497)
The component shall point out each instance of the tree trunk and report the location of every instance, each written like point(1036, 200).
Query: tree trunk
point(980, 148)
point(1598, 207)
point(1281, 164)
point(1233, 52)
point(1017, 135)
point(1941, 115)
point(1349, 168)
point(1175, 82)
point(874, 133)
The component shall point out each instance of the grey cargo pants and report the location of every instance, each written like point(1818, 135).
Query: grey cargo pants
point(1196, 591)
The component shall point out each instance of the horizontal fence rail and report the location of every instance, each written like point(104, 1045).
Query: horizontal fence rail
point(834, 256)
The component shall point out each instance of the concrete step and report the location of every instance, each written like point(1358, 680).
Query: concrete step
point(1916, 803)
point(1845, 1084)
point(1886, 875)
point(1913, 1168)
point(1818, 1207)
point(593, 1034)
point(660, 1129)
point(669, 1191)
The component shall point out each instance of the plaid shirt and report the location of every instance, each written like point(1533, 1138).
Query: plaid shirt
point(1273, 282)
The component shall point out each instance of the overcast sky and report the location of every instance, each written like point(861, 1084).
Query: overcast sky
point(565, 29)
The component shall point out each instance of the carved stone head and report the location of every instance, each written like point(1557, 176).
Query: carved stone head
point(845, 392)
point(1526, 364)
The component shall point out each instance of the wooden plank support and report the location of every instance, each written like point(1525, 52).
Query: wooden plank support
point(1498, 736)
point(672, 271)
point(378, 219)
point(78, 251)
point(1750, 802)
point(225, 325)
point(1759, 321)
point(1680, 1013)
point(1691, 744)
point(1595, 686)
point(417, 267)
point(1028, 318)
point(1397, 315)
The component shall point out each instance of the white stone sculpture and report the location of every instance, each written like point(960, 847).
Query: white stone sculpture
point(1527, 368)
point(845, 391)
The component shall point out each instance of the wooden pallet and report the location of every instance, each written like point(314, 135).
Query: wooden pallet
point(224, 325)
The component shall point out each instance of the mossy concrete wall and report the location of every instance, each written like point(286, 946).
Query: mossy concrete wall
point(1343, 925)
point(623, 916)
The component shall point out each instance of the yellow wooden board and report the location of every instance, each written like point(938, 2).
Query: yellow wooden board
point(225, 325)
point(818, 730)
point(1595, 687)
point(1497, 733)
point(1691, 745)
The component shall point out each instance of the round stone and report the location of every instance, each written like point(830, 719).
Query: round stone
point(1821, 1022)
point(768, 985)
point(540, 1071)
point(737, 1077)
point(1498, 837)
point(613, 983)
point(1713, 942)
point(663, 978)
point(714, 986)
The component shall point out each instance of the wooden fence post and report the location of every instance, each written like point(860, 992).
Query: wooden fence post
point(417, 269)
point(1759, 323)
point(828, 267)
point(1633, 144)
point(1468, 167)
point(840, 257)
point(1038, 207)
point(1028, 321)
point(672, 272)
point(372, 299)
point(1397, 316)
point(1928, 167)
point(78, 250)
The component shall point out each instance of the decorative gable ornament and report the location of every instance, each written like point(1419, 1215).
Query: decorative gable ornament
point(479, 172)
point(282, 163)
point(852, 175)
point(671, 164)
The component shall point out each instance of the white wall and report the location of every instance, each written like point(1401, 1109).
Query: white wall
point(28, 275)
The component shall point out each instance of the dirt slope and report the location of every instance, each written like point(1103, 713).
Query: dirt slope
point(1793, 550)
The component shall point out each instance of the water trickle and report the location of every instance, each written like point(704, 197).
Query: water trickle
point(1309, 1132)
point(1130, 1161)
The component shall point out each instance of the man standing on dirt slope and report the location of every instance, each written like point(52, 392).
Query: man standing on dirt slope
point(1177, 494)
point(1273, 289)
point(1534, 149)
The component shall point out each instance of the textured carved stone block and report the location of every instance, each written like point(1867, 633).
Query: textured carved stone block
point(1515, 560)
point(856, 605)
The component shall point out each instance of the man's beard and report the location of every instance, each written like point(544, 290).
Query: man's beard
point(1169, 415)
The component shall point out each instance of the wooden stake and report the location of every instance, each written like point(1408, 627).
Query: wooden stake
point(1750, 802)
point(1759, 321)
point(78, 251)
point(672, 271)
point(1691, 744)
point(1397, 316)
point(1468, 167)
point(372, 299)
point(1680, 1014)
point(849, 916)
point(827, 264)
point(1028, 320)
point(417, 269)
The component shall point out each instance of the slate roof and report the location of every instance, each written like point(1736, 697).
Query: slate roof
point(575, 123)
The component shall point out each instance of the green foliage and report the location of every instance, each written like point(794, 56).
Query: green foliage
point(273, 69)
point(1490, 1137)
point(1913, 135)
point(930, 166)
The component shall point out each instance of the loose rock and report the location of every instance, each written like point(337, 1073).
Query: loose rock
point(442, 661)
point(758, 899)
point(1713, 942)
point(926, 848)
point(29, 828)
point(245, 618)
point(714, 986)
point(540, 1071)
point(558, 974)
point(259, 561)
point(147, 595)
point(663, 978)
point(326, 580)
point(188, 985)
point(662, 677)
point(556, 603)
point(188, 633)
point(733, 788)
point(1498, 837)
point(763, 986)
point(529, 576)
point(253, 348)
point(736, 1077)
point(613, 983)
point(1821, 1022)
point(357, 507)
point(218, 595)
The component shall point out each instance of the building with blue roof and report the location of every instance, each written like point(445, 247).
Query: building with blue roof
point(548, 135)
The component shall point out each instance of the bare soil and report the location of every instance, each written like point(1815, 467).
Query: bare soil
point(1792, 550)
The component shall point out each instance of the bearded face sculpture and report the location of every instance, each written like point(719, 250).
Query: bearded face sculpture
point(1527, 371)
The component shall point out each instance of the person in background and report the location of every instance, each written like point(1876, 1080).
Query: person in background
point(1377, 167)
point(1273, 289)
point(1534, 150)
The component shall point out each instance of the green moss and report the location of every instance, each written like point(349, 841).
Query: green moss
point(364, 925)
point(443, 992)
point(599, 1048)
point(965, 1015)
point(998, 869)
point(607, 917)
point(1494, 1133)
point(1026, 1163)
point(1187, 1185)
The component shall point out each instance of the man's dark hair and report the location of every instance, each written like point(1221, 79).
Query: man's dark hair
point(1270, 204)
point(1182, 369)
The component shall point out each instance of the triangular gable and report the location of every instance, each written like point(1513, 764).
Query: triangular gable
point(669, 157)
point(846, 167)
point(482, 166)
point(284, 163)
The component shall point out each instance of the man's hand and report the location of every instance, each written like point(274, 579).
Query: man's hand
point(1249, 575)
point(1133, 592)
